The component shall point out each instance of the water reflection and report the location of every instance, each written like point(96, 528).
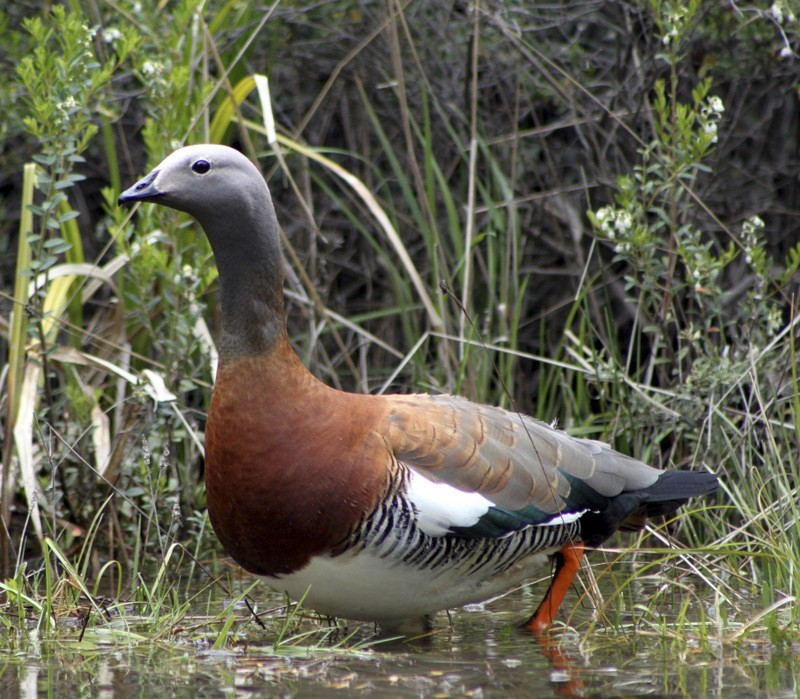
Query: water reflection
point(475, 653)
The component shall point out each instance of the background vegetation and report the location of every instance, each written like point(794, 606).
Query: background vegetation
point(589, 209)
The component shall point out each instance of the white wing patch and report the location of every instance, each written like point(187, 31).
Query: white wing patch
point(563, 518)
point(440, 506)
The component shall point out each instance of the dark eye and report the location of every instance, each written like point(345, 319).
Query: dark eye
point(201, 167)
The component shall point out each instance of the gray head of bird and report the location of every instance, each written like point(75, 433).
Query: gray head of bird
point(227, 194)
point(215, 184)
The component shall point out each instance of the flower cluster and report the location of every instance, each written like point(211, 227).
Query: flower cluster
point(615, 224)
point(111, 35)
point(64, 109)
point(710, 114)
point(613, 221)
point(673, 23)
point(152, 68)
point(750, 232)
point(155, 75)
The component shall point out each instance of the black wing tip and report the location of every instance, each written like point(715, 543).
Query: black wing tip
point(629, 511)
point(682, 485)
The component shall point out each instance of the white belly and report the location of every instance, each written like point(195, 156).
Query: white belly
point(365, 587)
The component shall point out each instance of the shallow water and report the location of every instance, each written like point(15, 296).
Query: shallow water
point(477, 652)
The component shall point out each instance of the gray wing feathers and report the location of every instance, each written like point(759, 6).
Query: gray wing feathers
point(513, 460)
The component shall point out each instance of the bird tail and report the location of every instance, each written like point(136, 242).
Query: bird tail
point(630, 511)
point(674, 488)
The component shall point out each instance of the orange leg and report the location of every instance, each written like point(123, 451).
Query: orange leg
point(568, 562)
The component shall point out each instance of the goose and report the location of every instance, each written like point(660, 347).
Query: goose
point(381, 508)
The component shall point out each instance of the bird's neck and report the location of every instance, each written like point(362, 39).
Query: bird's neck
point(250, 265)
point(252, 312)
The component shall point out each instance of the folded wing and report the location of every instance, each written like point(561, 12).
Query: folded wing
point(519, 470)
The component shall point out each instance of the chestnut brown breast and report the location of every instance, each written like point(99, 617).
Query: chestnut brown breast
point(292, 466)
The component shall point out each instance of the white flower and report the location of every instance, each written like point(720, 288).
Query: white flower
point(716, 105)
point(151, 68)
point(786, 52)
point(624, 222)
point(671, 34)
point(67, 105)
point(605, 217)
point(749, 228)
point(604, 214)
point(111, 35)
